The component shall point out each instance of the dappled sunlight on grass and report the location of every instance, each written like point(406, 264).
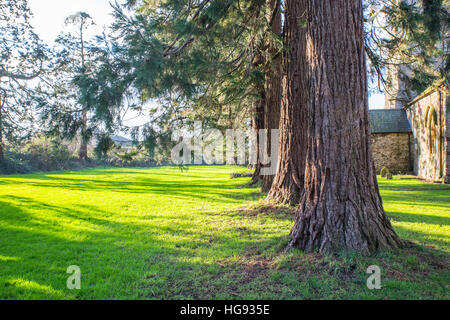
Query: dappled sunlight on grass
point(5, 258)
point(31, 288)
point(418, 210)
point(161, 233)
point(124, 219)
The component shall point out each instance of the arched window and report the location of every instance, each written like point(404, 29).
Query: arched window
point(431, 127)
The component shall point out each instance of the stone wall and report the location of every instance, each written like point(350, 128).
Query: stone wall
point(427, 115)
point(391, 150)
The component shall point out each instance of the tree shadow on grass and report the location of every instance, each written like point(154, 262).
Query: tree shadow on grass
point(47, 244)
point(418, 218)
point(264, 210)
point(202, 189)
point(413, 184)
point(178, 259)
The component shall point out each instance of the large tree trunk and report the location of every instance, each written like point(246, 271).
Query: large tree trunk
point(273, 83)
point(82, 153)
point(341, 207)
point(288, 182)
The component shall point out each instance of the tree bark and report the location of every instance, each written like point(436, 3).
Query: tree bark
point(258, 123)
point(2, 105)
point(341, 207)
point(273, 82)
point(288, 182)
point(2, 153)
point(82, 153)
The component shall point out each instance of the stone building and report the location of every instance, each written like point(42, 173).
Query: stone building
point(416, 137)
point(122, 142)
point(391, 139)
point(429, 117)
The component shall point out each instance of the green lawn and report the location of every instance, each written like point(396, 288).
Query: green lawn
point(165, 234)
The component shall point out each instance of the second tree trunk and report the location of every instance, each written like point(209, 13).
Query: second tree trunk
point(272, 84)
point(288, 182)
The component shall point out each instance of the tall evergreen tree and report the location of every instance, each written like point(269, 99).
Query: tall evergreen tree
point(421, 46)
point(22, 58)
point(65, 110)
point(407, 42)
point(206, 57)
point(82, 21)
point(289, 179)
point(341, 207)
point(273, 76)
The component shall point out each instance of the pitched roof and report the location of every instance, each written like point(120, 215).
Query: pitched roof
point(120, 139)
point(442, 85)
point(389, 121)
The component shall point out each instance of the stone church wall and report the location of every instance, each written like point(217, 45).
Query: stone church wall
point(391, 150)
point(427, 115)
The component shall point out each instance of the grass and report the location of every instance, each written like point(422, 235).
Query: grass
point(164, 234)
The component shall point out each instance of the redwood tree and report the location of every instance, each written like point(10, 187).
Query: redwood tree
point(257, 124)
point(341, 207)
point(289, 179)
point(272, 81)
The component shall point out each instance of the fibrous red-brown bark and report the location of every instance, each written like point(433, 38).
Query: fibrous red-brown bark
point(257, 124)
point(288, 182)
point(341, 207)
point(272, 84)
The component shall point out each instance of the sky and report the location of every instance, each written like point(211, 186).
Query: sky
point(48, 22)
point(49, 17)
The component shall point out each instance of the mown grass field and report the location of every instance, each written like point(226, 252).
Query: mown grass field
point(164, 234)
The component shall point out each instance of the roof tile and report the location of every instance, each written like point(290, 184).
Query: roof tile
point(389, 121)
